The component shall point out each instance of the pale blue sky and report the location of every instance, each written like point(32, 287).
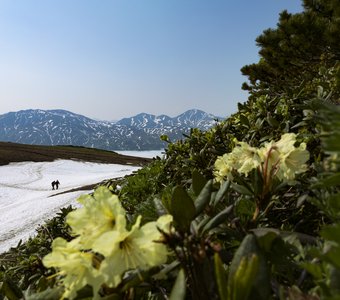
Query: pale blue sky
point(109, 59)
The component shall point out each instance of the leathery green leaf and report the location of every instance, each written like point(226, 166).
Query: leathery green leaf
point(260, 286)
point(10, 290)
point(182, 208)
point(179, 289)
point(204, 197)
point(198, 182)
point(218, 219)
point(221, 278)
point(265, 237)
point(240, 285)
point(221, 192)
point(242, 189)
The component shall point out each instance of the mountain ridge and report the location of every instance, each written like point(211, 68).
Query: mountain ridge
point(62, 127)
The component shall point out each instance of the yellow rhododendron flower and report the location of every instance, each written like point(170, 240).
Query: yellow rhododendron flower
point(76, 267)
point(270, 158)
point(245, 158)
point(286, 158)
point(222, 168)
point(286, 143)
point(104, 249)
point(139, 248)
point(101, 213)
point(293, 162)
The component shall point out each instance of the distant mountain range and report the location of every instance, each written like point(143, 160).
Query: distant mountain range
point(60, 127)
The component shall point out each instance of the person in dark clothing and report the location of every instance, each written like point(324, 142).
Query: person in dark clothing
point(53, 184)
point(57, 183)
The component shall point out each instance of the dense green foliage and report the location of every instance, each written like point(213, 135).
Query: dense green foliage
point(252, 234)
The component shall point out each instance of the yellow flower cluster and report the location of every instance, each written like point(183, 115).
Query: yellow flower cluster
point(104, 249)
point(279, 158)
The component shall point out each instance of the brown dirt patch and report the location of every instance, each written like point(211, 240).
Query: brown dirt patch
point(13, 152)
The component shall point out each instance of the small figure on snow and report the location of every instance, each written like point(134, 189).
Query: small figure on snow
point(55, 184)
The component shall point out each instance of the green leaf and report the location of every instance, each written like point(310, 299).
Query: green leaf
point(333, 203)
point(265, 237)
point(165, 138)
point(334, 278)
point(182, 208)
point(202, 223)
point(332, 180)
point(261, 283)
point(221, 192)
point(244, 120)
point(272, 122)
point(218, 219)
point(160, 207)
point(313, 269)
point(136, 277)
point(244, 208)
point(110, 297)
point(246, 248)
point(221, 278)
point(242, 189)
point(204, 197)
point(331, 233)
point(166, 199)
point(198, 182)
point(179, 289)
point(300, 124)
point(240, 286)
point(265, 138)
point(163, 273)
point(259, 123)
point(10, 290)
point(332, 255)
point(258, 182)
point(301, 200)
point(49, 294)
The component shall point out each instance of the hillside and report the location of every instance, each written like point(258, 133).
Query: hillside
point(13, 152)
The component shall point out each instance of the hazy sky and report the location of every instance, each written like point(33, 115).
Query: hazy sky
point(109, 59)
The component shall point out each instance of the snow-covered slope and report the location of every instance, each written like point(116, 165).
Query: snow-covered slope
point(60, 127)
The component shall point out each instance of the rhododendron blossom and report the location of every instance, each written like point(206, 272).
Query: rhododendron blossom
point(282, 159)
point(103, 248)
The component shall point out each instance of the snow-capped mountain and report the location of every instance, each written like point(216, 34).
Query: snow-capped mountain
point(60, 127)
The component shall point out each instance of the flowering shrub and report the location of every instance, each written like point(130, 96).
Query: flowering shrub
point(103, 248)
point(281, 159)
point(272, 164)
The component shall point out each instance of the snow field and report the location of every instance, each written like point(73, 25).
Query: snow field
point(25, 193)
